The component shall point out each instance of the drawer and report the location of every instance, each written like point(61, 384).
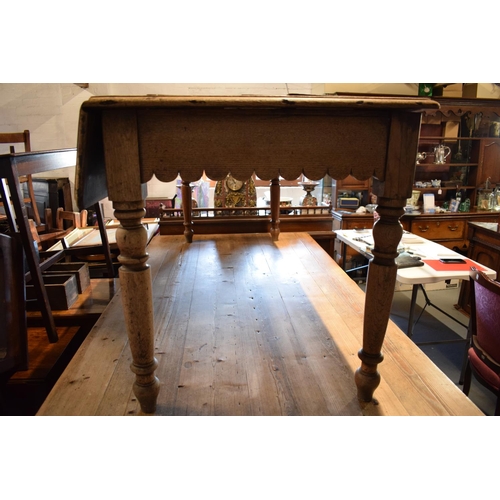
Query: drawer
point(440, 229)
point(358, 224)
point(351, 183)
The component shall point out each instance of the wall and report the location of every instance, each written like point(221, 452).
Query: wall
point(50, 111)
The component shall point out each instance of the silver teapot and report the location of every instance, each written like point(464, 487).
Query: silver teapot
point(421, 156)
point(441, 152)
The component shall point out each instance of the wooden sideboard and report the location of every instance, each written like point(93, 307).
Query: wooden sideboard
point(447, 229)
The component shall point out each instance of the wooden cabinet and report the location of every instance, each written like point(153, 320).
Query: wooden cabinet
point(464, 126)
point(484, 248)
point(348, 220)
point(458, 172)
point(442, 230)
point(350, 185)
point(447, 229)
point(488, 157)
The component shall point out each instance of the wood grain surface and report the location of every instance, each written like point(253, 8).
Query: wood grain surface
point(245, 325)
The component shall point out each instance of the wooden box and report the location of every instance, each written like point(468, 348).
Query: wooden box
point(481, 91)
point(79, 269)
point(62, 290)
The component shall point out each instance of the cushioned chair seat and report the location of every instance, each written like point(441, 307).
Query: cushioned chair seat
point(483, 338)
point(484, 371)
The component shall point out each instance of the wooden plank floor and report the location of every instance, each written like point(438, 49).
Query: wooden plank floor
point(26, 390)
point(245, 326)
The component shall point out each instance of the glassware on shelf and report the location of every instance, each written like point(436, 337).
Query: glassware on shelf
point(484, 199)
point(464, 206)
point(492, 200)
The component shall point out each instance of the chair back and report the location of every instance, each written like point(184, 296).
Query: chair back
point(24, 138)
point(16, 138)
point(485, 314)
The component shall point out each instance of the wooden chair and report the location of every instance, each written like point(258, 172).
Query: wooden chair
point(75, 219)
point(483, 346)
point(13, 333)
point(66, 221)
point(100, 253)
point(24, 138)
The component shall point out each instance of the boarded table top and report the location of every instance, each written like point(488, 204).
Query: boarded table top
point(248, 326)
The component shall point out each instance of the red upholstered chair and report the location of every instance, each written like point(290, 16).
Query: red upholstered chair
point(483, 355)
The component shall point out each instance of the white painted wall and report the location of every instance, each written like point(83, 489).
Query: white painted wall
point(50, 111)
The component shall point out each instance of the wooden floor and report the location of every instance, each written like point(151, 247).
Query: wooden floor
point(25, 390)
point(245, 326)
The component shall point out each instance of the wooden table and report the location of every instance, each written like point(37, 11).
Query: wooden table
point(124, 141)
point(250, 326)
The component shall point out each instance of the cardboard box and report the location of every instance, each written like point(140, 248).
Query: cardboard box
point(481, 90)
point(448, 90)
point(410, 89)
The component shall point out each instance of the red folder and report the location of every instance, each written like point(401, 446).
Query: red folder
point(437, 265)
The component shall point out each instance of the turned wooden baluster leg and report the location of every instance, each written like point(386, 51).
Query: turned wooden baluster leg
point(187, 205)
point(135, 281)
point(275, 209)
point(380, 285)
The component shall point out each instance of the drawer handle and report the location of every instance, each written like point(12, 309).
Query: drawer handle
point(422, 230)
point(452, 228)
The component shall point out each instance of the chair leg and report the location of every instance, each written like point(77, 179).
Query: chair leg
point(467, 377)
point(465, 364)
point(466, 355)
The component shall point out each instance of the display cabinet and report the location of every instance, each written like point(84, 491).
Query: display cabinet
point(445, 167)
point(459, 151)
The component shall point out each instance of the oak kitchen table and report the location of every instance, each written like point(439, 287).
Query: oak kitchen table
point(124, 141)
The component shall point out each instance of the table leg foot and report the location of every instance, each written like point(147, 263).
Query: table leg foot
point(146, 386)
point(367, 377)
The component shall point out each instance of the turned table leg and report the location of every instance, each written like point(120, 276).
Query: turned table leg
point(275, 209)
point(187, 205)
point(137, 299)
point(380, 286)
